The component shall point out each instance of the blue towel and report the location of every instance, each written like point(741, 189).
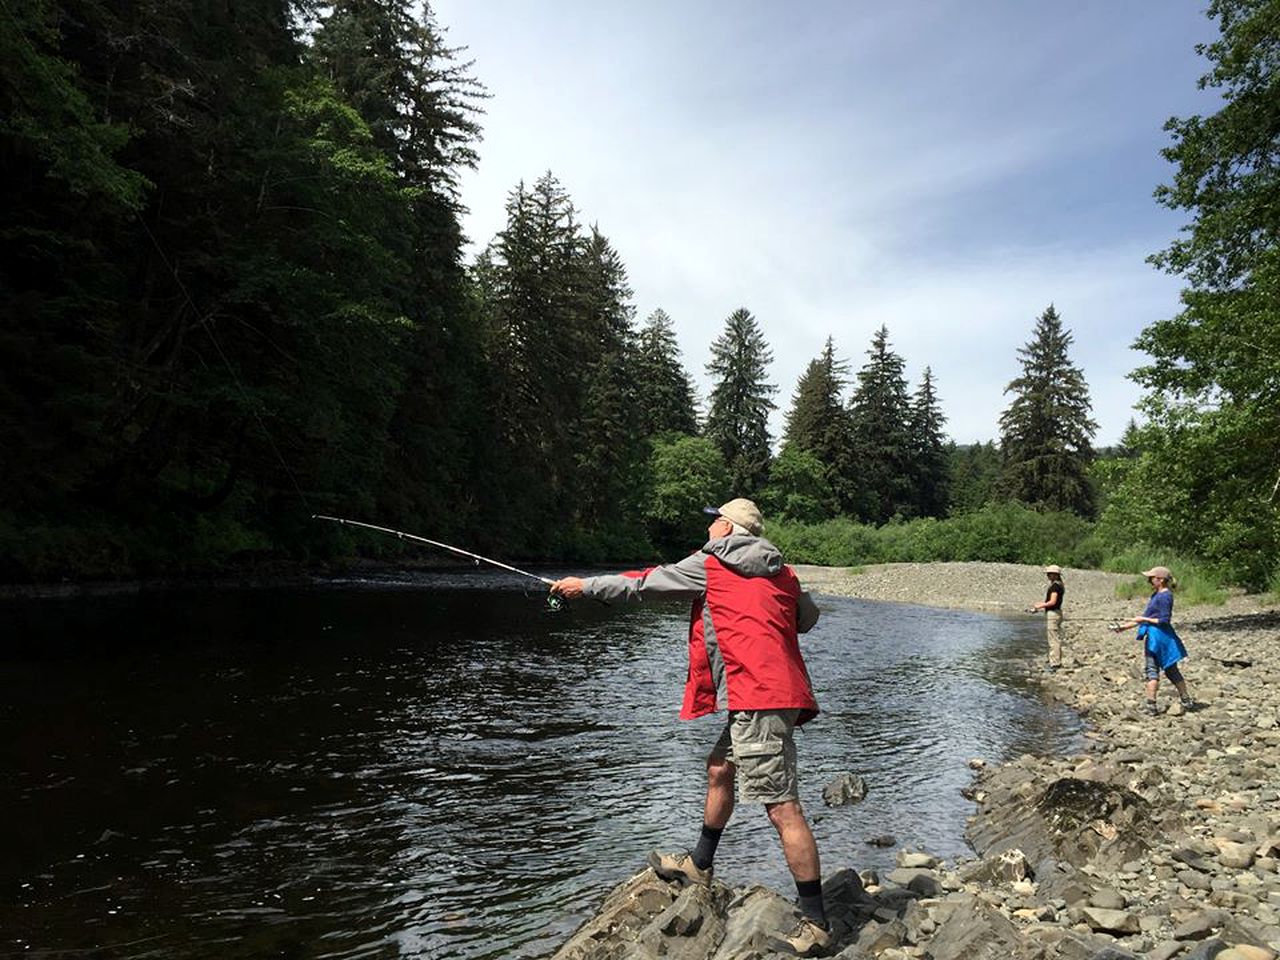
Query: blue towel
point(1162, 643)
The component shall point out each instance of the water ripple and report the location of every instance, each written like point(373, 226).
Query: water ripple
point(399, 768)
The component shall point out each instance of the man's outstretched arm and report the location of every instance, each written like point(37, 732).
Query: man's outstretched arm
point(684, 580)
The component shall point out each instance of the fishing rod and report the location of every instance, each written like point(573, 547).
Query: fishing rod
point(553, 601)
point(1067, 619)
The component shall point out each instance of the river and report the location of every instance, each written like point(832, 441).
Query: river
point(435, 765)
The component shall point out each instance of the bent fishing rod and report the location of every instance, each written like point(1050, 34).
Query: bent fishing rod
point(552, 601)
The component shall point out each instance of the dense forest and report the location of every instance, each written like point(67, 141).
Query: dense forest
point(234, 294)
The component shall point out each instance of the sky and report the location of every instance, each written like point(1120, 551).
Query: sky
point(946, 168)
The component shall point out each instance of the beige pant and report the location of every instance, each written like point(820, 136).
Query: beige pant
point(1053, 631)
point(761, 745)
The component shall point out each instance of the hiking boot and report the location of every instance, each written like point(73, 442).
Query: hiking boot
point(1187, 703)
point(679, 866)
point(807, 938)
point(1151, 708)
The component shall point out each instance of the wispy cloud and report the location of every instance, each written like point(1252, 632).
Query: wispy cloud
point(945, 168)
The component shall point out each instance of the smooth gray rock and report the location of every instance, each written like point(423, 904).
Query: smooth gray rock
point(1194, 880)
point(1206, 950)
point(844, 789)
point(974, 929)
point(917, 860)
point(925, 884)
point(1196, 927)
point(903, 876)
point(1116, 922)
point(1108, 899)
point(1192, 859)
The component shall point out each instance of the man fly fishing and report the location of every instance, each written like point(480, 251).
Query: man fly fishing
point(747, 608)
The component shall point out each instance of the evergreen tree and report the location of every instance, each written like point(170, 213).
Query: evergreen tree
point(387, 58)
point(220, 329)
point(535, 350)
point(610, 445)
point(880, 470)
point(818, 421)
point(1046, 430)
point(738, 415)
point(664, 391)
point(974, 476)
point(928, 453)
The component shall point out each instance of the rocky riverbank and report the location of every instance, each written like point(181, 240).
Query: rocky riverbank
point(1161, 841)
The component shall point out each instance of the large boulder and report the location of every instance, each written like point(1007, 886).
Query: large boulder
point(647, 918)
point(1095, 819)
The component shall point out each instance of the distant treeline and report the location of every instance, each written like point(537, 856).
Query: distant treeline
point(234, 294)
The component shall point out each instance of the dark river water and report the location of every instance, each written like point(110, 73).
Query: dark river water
point(438, 767)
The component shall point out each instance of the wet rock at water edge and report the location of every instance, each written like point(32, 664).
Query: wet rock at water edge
point(844, 789)
point(884, 840)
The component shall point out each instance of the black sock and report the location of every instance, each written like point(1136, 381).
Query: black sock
point(705, 851)
point(811, 905)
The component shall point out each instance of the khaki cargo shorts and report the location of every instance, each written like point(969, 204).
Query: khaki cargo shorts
point(761, 744)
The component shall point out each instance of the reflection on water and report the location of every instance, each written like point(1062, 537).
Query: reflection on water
point(427, 769)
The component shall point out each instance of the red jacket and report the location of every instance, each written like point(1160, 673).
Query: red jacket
point(747, 610)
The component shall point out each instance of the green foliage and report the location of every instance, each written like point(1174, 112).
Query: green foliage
point(818, 422)
point(973, 473)
point(1273, 586)
point(1008, 532)
point(664, 401)
point(48, 120)
point(1185, 493)
point(608, 543)
point(798, 488)
point(1046, 430)
point(1205, 476)
point(738, 417)
point(877, 477)
point(685, 475)
point(1196, 583)
point(929, 461)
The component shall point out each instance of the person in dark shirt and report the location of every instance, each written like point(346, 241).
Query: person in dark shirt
point(1052, 607)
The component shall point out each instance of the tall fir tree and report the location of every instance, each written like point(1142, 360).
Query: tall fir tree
point(1046, 431)
point(665, 399)
point(388, 59)
point(610, 448)
point(929, 461)
point(818, 422)
point(536, 346)
point(740, 401)
point(880, 470)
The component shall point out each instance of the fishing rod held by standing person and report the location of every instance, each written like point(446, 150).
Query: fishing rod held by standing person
point(552, 601)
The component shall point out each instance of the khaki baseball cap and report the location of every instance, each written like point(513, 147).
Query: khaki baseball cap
point(742, 512)
point(1164, 573)
point(1053, 568)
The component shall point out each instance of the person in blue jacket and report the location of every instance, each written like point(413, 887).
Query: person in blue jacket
point(1162, 647)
